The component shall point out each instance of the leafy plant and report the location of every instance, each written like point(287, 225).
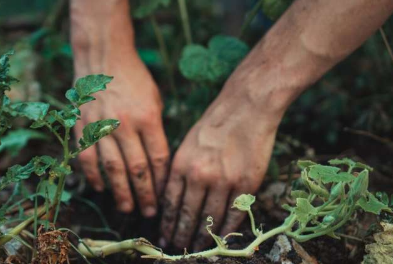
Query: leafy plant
point(327, 198)
point(59, 123)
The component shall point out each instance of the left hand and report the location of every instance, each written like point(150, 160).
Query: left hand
point(224, 155)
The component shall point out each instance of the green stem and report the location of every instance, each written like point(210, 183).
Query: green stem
point(19, 228)
point(165, 56)
point(105, 248)
point(185, 20)
point(255, 231)
point(250, 17)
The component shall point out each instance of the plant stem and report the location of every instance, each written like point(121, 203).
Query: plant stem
point(62, 176)
point(165, 56)
point(255, 231)
point(19, 228)
point(185, 20)
point(250, 17)
point(104, 248)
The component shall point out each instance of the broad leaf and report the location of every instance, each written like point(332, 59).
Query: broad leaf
point(86, 86)
point(369, 203)
point(148, 7)
point(304, 210)
point(32, 110)
point(15, 140)
point(323, 172)
point(215, 63)
point(244, 202)
point(97, 130)
point(48, 190)
point(42, 164)
point(313, 187)
point(302, 164)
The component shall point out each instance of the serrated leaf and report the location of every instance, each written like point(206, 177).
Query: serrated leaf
point(86, 86)
point(48, 190)
point(299, 194)
point(302, 164)
point(97, 130)
point(304, 210)
point(369, 203)
point(360, 165)
point(5, 79)
point(244, 202)
point(16, 173)
point(32, 110)
point(148, 7)
point(314, 188)
point(273, 9)
point(15, 140)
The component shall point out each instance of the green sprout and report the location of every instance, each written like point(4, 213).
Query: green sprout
point(327, 198)
point(52, 172)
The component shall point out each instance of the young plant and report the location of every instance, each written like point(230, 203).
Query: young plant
point(59, 123)
point(328, 197)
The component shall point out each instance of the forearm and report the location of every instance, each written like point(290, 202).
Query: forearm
point(99, 31)
point(310, 38)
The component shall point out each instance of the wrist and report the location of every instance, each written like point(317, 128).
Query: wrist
point(101, 31)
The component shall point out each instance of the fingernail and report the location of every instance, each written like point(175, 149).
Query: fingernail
point(150, 211)
point(125, 207)
point(162, 242)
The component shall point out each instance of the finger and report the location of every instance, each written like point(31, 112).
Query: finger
point(89, 161)
point(215, 206)
point(172, 200)
point(234, 217)
point(138, 166)
point(112, 161)
point(189, 213)
point(157, 149)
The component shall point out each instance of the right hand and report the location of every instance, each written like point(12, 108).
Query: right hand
point(138, 148)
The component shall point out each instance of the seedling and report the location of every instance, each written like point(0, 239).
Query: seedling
point(59, 123)
point(327, 198)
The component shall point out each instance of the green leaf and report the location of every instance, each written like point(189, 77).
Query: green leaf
point(323, 172)
point(97, 130)
point(215, 63)
point(359, 186)
point(314, 188)
point(244, 202)
point(42, 163)
point(16, 173)
point(86, 86)
point(48, 189)
point(32, 110)
point(302, 164)
point(304, 210)
point(5, 79)
point(299, 194)
point(336, 191)
point(360, 165)
point(273, 9)
point(15, 140)
point(369, 203)
point(148, 7)
point(344, 161)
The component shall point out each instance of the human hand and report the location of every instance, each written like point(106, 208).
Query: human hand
point(224, 155)
point(138, 148)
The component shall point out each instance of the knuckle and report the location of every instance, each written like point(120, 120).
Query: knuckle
point(160, 160)
point(138, 169)
point(150, 117)
point(113, 166)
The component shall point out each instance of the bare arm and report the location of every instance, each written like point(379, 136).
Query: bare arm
point(103, 42)
point(227, 152)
